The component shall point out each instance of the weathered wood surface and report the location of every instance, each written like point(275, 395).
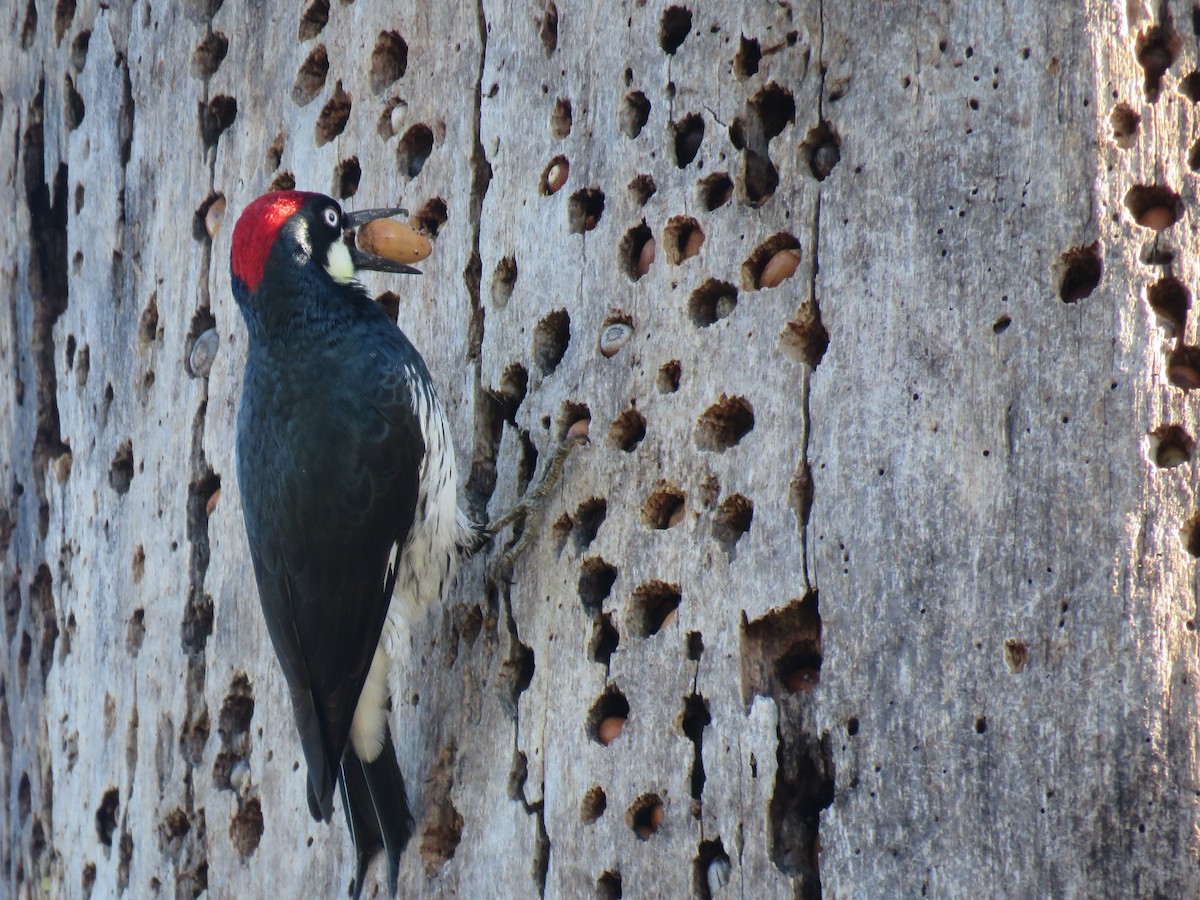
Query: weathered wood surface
point(997, 686)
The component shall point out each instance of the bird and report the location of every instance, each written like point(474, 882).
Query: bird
point(347, 477)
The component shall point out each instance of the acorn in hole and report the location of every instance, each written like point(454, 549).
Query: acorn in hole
point(614, 337)
point(393, 240)
point(579, 429)
point(1157, 218)
point(779, 268)
point(1183, 367)
point(556, 175)
point(646, 257)
point(610, 729)
point(214, 217)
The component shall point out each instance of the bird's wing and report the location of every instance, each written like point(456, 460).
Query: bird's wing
point(327, 501)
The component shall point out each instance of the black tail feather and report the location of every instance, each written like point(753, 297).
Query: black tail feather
point(376, 806)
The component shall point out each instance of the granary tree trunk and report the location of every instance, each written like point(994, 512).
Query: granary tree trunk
point(877, 577)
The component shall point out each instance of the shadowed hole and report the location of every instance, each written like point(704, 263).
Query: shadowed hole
point(724, 424)
point(584, 210)
point(711, 302)
point(608, 886)
point(560, 118)
point(311, 78)
point(1125, 123)
point(414, 148)
point(314, 19)
point(635, 253)
point(693, 721)
point(346, 178)
point(550, 340)
point(548, 30)
point(634, 114)
point(609, 705)
point(732, 520)
point(389, 60)
point(605, 639)
point(1183, 367)
point(431, 217)
point(682, 239)
point(747, 58)
point(284, 181)
point(1079, 271)
point(1170, 300)
point(504, 278)
point(715, 190)
point(64, 14)
point(1190, 534)
point(216, 117)
point(653, 607)
point(823, 149)
point(645, 816)
point(688, 136)
point(804, 337)
point(209, 54)
point(1154, 206)
point(669, 374)
point(673, 28)
point(596, 580)
point(641, 189)
point(664, 508)
point(120, 470)
point(588, 518)
point(595, 801)
point(627, 430)
point(391, 304)
point(1155, 50)
point(710, 869)
point(334, 116)
point(1171, 446)
point(772, 108)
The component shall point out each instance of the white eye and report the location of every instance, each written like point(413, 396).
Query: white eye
point(331, 217)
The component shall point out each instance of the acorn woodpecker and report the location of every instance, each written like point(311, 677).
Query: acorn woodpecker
point(349, 496)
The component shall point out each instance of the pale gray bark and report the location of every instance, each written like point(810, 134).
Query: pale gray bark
point(996, 690)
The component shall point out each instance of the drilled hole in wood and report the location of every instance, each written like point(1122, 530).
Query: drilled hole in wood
point(569, 414)
point(79, 49)
point(334, 116)
point(772, 108)
point(627, 430)
point(274, 155)
point(596, 580)
point(645, 816)
point(711, 869)
point(759, 179)
point(389, 60)
point(414, 148)
point(1154, 206)
point(755, 271)
point(636, 252)
point(610, 710)
point(615, 333)
point(664, 508)
point(1190, 534)
point(747, 58)
point(209, 54)
point(1171, 446)
point(1125, 124)
point(823, 149)
point(724, 424)
point(310, 80)
point(584, 210)
point(1078, 272)
point(715, 190)
point(561, 529)
point(712, 302)
point(653, 607)
point(554, 176)
point(550, 339)
point(799, 669)
point(804, 337)
point(64, 14)
point(634, 114)
point(208, 217)
point(1170, 300)
point(673, 28)
point(431, 217)
point(215, 118)
point(781, 652)
point(284, 181)
point(1001, 324)
point(548, 29)
point(346, 178)
point(106, 816)
point(732, 520)
point(589, 516)
point(592, 807)
point(682, 239)
point(120, 470)
point(605, 639)
point(314, 19)
point(516, 673)
point(693, 720)
point(504, 279)
point(608, 886)
point(641, 189)
point(245, 831)
point(668, 377)
point(1189, 86)
point(688, 135)
point(560, 118)
point(1155, 50)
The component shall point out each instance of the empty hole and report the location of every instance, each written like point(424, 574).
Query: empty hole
point(804, 337)
point(431, 217)
point(1189, 86)
point(759, 178)
point(1156, 206)
point(755, 273)
point(584, 210)
point(653, 604)
point(120, 471)
point(608, 886)
point(209, 54)
point(275, 153)
point(682, 239)
point(595, 801)
point(64, 13)
point(561, 529)
point(1001, 324)
point(641, 189)
point(106, 816)
point(747, 58)
point(554, 176)
point(596, 579)
point(79, 49)
point(73, 106)
point(669, 373)
point(1125, 123)
point(724, 424)
point(605, 639)
point(216, 117)
point(1183, 367)
point(560, 118)
point(1079, 271)
point(347, 177)
point(635, 112)
point(314, 19)
point(609, 705)
point(588, 518)
point(664, 508)
point(732, 520)
point(503, 280)
point(1170, 300)
point(548, 31)
point(334, 116)
point(1190, 533)
point(689, 135)
point(696, 717)
point(1171, 446)
point(1155, 50)
point(715, 190)
point(550, 340)
point(772, 108)
point(414, 148)
point(1193, 159)
point(635, 253)
point(711, 302)
point(389, 60)
point(673, 27)
point(823, 149)
point(645, 815)
point(627, 430)
point(311, 77)
point(513, 385)
point(284, 181)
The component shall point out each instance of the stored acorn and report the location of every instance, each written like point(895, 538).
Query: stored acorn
point(579, 429)
point(779, 268)
point(1157, 218)
point(214, 217)
point(610, 729)
point(394, 240)
point(646, 257)
point(556, 175)
point(692, 244)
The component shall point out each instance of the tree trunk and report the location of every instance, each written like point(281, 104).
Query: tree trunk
point(878, 575)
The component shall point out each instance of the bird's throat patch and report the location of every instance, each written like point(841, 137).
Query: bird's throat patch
point(338, 264)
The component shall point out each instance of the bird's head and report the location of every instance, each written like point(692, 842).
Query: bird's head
point(291, 232)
